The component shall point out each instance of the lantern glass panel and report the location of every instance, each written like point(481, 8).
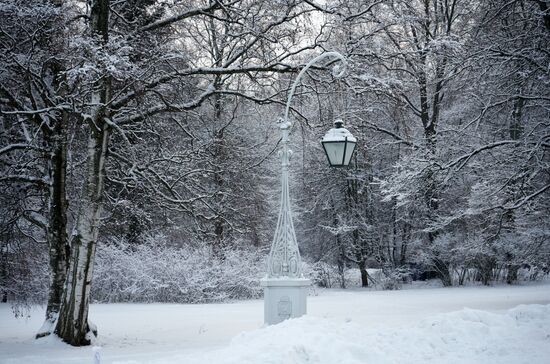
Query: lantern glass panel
point(349, 152)
point(335, 152)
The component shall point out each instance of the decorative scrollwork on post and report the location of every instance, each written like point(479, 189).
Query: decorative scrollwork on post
point(284, 258)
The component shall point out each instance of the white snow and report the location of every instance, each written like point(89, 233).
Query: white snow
point(503, 324)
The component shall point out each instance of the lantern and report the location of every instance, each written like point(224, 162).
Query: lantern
point(339, 145)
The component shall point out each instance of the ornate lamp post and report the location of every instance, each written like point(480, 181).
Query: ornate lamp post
point(285, 288)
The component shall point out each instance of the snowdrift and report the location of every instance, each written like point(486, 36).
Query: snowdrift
point(520, 335)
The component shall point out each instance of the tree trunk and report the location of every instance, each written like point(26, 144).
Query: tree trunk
point(405, 239)
point(546, 13)
point(364, 274)
point(462, 276)
point(341, 262)
point(73, 325)
point(516, 127)
point(512, 273)
point(219, 222)
point(443, 272)
point(56, 232)
point(485, 268)
point(59, 250)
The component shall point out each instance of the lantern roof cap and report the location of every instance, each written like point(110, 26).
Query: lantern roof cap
point(339, 134)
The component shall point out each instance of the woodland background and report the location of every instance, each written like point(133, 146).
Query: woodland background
point(138, 145)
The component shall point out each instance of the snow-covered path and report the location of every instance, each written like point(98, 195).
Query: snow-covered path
point(351, 326)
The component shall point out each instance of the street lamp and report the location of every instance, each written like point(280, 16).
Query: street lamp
point(285, 288)
point(339, 145)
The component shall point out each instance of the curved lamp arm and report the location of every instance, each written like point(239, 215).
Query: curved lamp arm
point(337, 71)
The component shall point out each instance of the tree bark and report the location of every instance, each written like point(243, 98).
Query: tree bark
point(364, 274)
point(443, 272)
point(73, 325)
point(59, 250)
point(341, 262)
point(512, 273)
point(56, 233)
point(545, 10)
point(219, 157)
point(432, 192)
point(485, 266)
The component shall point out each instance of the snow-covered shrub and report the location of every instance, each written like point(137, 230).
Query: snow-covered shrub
point(392, 279)
point(23, 275)
point(321, 274)
point(325, 275)
point(156, 272)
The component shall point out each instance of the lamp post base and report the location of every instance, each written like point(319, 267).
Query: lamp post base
point(284, 298)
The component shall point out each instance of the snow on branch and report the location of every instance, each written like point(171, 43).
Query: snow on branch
point(336, 12)
point(18, 146)
point(339, 229)
point(37, 111)
point(212, 71)
point(526, 199)
point(27, 179)
point(184, 15)
point(390, 133)
point(167, 107)
point(463, 159)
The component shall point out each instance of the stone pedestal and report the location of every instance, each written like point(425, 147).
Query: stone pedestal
point(284, 298)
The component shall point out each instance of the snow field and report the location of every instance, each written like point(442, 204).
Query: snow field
point(500, 325)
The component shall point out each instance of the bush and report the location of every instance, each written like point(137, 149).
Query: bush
point(155, 272)
point(23, 275)
point(321, 274)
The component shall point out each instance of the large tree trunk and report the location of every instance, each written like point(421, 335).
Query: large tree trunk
point(433, 25)
point(219, 157)
point(432, 188)
point(59, 250)
point(58, 244)
point(73, 325)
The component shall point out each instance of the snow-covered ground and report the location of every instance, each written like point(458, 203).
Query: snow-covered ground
point(504, 324)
